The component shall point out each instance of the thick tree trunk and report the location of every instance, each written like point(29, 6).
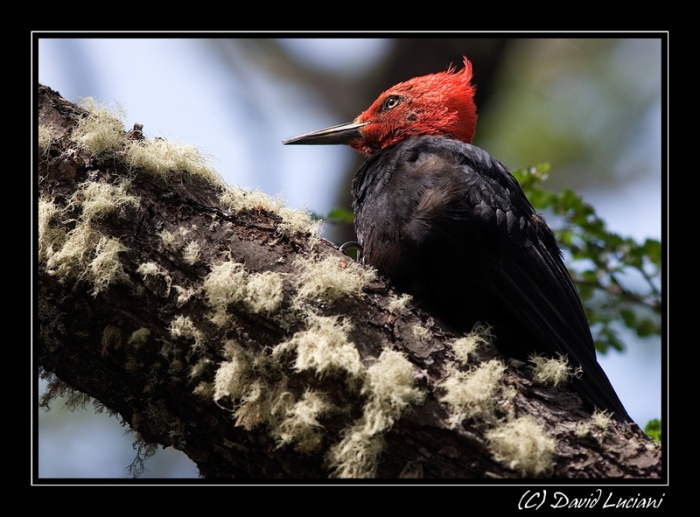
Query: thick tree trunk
point(210, 320)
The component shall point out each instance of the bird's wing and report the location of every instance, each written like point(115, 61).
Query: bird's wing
point(461, 233)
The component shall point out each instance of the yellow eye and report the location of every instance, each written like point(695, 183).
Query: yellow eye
point(391, 102)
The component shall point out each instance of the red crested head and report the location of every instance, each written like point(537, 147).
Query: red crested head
point(436, 104)
point(440, 104)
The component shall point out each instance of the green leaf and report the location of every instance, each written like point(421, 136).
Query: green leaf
point(653, 430)
point(341, 215)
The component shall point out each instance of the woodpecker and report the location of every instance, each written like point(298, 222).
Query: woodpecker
point(449, 224)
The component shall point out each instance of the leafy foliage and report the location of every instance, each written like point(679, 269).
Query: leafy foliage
point(653, 430)
point(618, 278)
point(341, 215)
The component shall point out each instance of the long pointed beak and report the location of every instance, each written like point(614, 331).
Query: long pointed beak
point(340, 134)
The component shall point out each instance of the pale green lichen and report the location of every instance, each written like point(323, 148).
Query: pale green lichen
point(323, 347)
point(139, 337)
point(397, 304)
point(238, 199)
point(299, 221)
point(582, 429)
point(45, 137)
point(73, 257)
point(389, 385)
point(150, 271)
point(98, 199)
point(225, 284)
point(294, 221)
point(198, 369)
point(101, 130)
point(553, 371)
point(182, 326)
point(257, 384)
point(264, 292)
point(183, 294)
point(422, 333)
point(106, 268)
point(254, 387)
point(88, 255)
point(467, 345)
point(389, 390)
point(358, 454)
point(167, 159)
point(263, 403)
point(330, 278)
point(191, 253)
point(229, 283)
point(147, 269)
point(233, 377)
point(522, 445)
point(84, 253)
point(204, 390)
point(601, 419)
point(301, 426)
point(472, 394)
point(597, 426)
point(50, 238)
point(167, 237)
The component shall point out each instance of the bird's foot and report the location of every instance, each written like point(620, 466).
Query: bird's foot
point(352, 245)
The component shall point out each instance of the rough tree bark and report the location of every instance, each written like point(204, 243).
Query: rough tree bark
point(249, 374)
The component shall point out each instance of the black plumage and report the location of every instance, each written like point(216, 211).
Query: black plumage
point(449, 224)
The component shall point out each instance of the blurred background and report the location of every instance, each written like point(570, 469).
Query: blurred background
point(591, 108)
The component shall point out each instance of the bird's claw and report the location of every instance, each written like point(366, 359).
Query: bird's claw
point(352, 245)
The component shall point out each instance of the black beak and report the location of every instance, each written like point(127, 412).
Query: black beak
point(341, 134)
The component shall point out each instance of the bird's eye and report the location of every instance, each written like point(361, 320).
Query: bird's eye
point(391, 102)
